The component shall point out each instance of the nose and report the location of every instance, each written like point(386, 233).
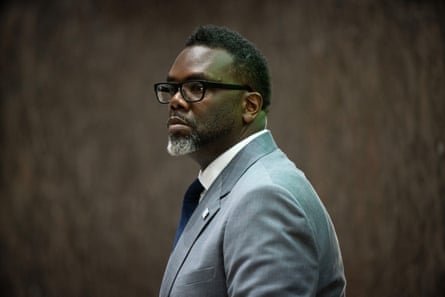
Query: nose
point(177, 101)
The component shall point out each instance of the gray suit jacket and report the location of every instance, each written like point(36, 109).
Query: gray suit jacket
point(260, 230)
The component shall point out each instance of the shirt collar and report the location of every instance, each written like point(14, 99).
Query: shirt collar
point(211, 172)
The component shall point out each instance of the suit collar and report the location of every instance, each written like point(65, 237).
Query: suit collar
point(256, 149)
point(214, 169)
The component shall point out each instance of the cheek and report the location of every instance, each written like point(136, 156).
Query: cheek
point(218, 116)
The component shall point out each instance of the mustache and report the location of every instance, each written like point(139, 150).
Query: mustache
point(176, 116)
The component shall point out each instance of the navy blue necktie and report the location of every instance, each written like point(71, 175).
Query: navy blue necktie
point(190, 202)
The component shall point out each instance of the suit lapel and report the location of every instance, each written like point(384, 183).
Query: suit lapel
point(201, 217)
point(210, 205)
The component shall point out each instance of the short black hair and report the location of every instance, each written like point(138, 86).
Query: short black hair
point(250, 66)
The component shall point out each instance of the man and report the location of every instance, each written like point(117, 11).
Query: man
point(259, 228)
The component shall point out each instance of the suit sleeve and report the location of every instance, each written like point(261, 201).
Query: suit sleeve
point(269, 246)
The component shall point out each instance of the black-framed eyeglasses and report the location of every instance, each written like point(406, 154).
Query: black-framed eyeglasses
point(191, 91)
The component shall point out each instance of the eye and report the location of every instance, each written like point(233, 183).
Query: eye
point(195, 88)
point(167, 88)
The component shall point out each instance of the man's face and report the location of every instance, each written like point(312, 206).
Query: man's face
point(213, 124)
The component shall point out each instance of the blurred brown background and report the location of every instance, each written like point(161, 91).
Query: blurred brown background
point(90, 199)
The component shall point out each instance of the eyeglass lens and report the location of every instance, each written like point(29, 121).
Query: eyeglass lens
point(191, 91)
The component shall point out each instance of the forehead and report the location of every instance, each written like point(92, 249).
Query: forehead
point(201, 62)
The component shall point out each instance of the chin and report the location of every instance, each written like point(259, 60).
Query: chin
point(180, 146)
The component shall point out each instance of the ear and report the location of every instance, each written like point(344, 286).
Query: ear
point(252, 104)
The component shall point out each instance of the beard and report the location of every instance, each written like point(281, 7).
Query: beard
point(202, 133)
point(182, 145)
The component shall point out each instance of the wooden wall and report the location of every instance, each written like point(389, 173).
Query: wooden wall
point(89, 198)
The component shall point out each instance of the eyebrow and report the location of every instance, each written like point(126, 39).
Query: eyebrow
point(194, 76)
